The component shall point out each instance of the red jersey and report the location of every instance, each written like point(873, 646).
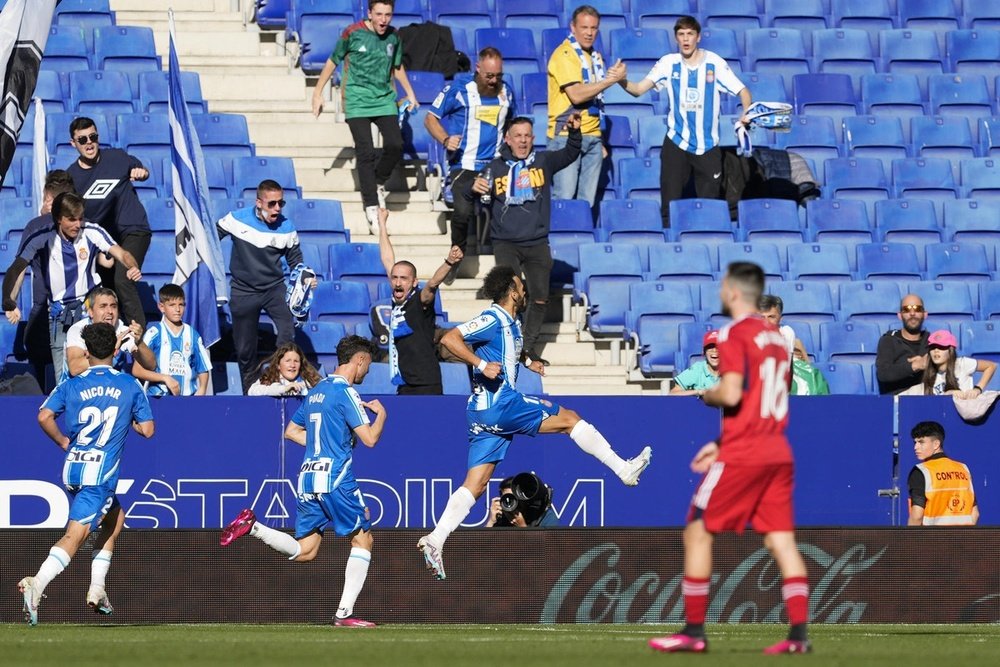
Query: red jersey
point(753, 432)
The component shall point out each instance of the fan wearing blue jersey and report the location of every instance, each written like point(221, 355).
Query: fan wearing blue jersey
point(496, 412)
point(182, 361)
point(468, 118)
point(693, 80)
point(328, 423)
point(100, 405)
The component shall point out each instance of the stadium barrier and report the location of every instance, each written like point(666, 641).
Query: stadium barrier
point(564, 575)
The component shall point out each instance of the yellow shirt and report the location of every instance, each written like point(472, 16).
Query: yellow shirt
point(564, 69)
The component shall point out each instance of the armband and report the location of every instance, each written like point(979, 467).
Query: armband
point(481, 365)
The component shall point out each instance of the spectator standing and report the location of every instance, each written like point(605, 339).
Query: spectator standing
point(182, 361)
point(702, 375)
point(947, 373)
point(413, 361)
point(286, 373)
point(468, 118)
point(262, 236)
point(104, 180)
point(901, 356)
point(520, 194)
point(372, 54)
point(577, 80)
point(941, 492)
point(694, 80)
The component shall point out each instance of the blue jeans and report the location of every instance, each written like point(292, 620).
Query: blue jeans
point(579, 179)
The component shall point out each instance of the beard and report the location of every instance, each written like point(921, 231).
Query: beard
point(913, 329)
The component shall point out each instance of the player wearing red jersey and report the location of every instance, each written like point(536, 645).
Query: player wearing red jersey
point(748, 472)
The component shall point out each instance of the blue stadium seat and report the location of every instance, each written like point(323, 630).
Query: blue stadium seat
point(318, 341)
point(892, 94)
point(160, 260)
point(571, 219)
point(426, 85)
point(655, 311)
point(701, 221)
point(974, 52)
point(154, 92)
point(802, 15)
point(764, 255)
point(911, 52)
point(957, 261)
point(736, 15)
point(317, 36)
point(127, 49)
point(565, 260)
point(912, 221)
point(66, 50)
point(100, 92)
point(844, 51)
point(974, 221)
point(529, 382)
point(226, 379)
point(224, 136)
point(937, 16)
point(619, 103)
point(980, 340)
point(468, 15)
point(319, 221)
point(856, 178)
point(872, 16)
point(250, 171)
point(606, 271)
point(981, 14)
point(764, 87)
point(85, 14)
point(662, 14)
point(341, 301)
point(776, 51)
point(875, 136)
point(162, 214)
point(378, 382)
point(535, 16)
point(520, 56)
point(689, 343)
point(814, 137)
point(614, 14)
point(618, 137)
point(219, 182)
point(416, 139)
point(870, 301)
point(808, 302)
point(15, 212)
point(271, 14)
point(638, 49)
point(724, 43)
point(818, 261)
point(959, 95)
point(849, 228)
point(774, 221)
point(948, 303)
point(534, 93)
point(989, 300)
point(981, 178)
point(684, 262)
point(653, 130)
point(924, 178)
point(635, 221)
point(338, 14)
point(640, 178)
point(850, 341)
point(887, 261)
point(827, 94)
point(942, 137)
point(844, 378)
point(358, 262)
point(148, 133)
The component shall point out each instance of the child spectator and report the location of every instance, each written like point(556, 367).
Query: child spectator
point(182, 361)
point(947, 373)
point(287, 373)
point(702, 375)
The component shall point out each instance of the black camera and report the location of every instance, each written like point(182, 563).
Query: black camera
point(528, 496)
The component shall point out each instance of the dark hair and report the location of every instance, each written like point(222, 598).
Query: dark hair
point(306, 370)
point(97, 291)
point(268, 185)
point(769, 301)
point(747, 278)
point(406, 263)
point(931, 371)
point(498, 282)
point(351, 345)
point(507, 482)
point(687, 22)
point(57, 182)
point(100, 339)
point(520, 120)
point(585, 9)
point(80, 123)
point(490, 52)
point(372, 3)
point(171, 291)
point(928, 429)
point(67, 205)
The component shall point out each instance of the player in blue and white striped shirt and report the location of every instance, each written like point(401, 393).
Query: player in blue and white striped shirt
point(327, 423)
point(497, 411)
point(182, 361)
point(694, 80)
point(100, 405)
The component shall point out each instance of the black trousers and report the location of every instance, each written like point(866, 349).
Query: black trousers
point(419, 390)
point(372, 169)
point(534, 264)
point(129, 304)
point(463, 215)
point(677, 166)
point(246, 307)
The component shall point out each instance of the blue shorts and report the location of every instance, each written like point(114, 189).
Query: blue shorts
point(91, 503)
point(492, 430)
point(343, 507)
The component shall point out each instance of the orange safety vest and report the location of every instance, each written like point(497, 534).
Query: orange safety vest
point(948, 488)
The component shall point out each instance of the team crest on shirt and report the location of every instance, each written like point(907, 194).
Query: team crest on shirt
point(710, 76)
point(389, 48)
point(82, 254)
point(101, 188)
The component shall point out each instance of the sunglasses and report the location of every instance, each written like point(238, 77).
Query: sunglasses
point(277, 202)
point(490, 75)
point(85, 139)
point(911, 309)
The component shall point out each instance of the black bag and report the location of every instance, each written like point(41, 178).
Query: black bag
point(429, 47)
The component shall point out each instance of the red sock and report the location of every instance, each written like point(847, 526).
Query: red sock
point(795, 592)
point(695, 599)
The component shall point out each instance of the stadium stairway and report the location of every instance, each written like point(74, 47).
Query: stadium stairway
point(245, 70)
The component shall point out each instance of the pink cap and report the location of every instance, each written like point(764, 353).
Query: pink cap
point(710, 338)
point(942, 338)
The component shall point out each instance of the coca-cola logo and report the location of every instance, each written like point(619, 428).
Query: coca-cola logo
point(602, 594)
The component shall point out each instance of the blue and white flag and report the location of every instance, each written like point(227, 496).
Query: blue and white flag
point(40, 159)
point(22, 41)
point(200, 268)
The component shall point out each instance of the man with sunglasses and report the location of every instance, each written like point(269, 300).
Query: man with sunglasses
point(902, 353)
point(103, 177)
point(261, 237)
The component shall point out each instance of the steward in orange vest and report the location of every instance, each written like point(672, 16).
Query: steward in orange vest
point(941, 492)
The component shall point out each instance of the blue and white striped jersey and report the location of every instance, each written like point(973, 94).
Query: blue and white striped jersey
point(329, 414)
point(100, 405)
point(479, 120)
point(493, 336)
point(183, 356)
point(693, 96)
point(69, 270)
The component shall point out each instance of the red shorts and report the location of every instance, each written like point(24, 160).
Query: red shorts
point(731, 496)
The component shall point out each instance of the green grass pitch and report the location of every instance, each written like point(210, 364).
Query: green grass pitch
point(485, 645)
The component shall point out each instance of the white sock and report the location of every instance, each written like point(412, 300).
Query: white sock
point(99, 568)
point(354, 580)
point(277, 540)
point(50, 569)
point(459, 506)
point(590, 440)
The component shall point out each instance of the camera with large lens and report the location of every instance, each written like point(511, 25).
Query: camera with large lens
point(529, 497)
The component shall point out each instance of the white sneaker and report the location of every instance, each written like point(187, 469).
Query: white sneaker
point(371, 214)
point(433, 557)
point(97, 599)
point(31, 599)
point(634, 467)
point(383, 196)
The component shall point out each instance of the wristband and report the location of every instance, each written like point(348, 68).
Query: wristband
point(979, 388)
point(481, 365)
point(527, 362)
point(450, 263)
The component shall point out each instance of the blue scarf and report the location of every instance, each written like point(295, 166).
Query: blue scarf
point(519, 189)
point(591, 74)
point(398, 328)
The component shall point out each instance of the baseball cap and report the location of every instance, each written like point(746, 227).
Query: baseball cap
point(942, 338)
point(709, 339)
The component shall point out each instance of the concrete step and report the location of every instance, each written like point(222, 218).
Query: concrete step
point(179, 6)
point(299, 130)
point(222, 44)
point(184, 23)
point(237, 105)
point(225, 87)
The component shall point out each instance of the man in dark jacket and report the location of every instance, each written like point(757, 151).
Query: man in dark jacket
point(901, 356)
point(521, 192)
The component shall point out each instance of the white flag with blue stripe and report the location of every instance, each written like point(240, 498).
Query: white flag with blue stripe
point(40, 159)
point(200, 268)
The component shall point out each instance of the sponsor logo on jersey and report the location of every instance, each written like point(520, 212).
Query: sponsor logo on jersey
point(101, 188)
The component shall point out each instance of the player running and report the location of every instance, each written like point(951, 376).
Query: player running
point(100, 405)
point(497, 411)
point(327, 423)
point(748, 472)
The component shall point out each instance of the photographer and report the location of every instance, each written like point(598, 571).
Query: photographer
point(525, 500)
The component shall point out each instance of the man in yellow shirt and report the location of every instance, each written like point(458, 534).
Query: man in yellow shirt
point(577, 81)
point(941, 492)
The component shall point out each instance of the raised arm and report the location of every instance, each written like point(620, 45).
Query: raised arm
point(637, 88)
point(384, 244)
point(430, 287)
